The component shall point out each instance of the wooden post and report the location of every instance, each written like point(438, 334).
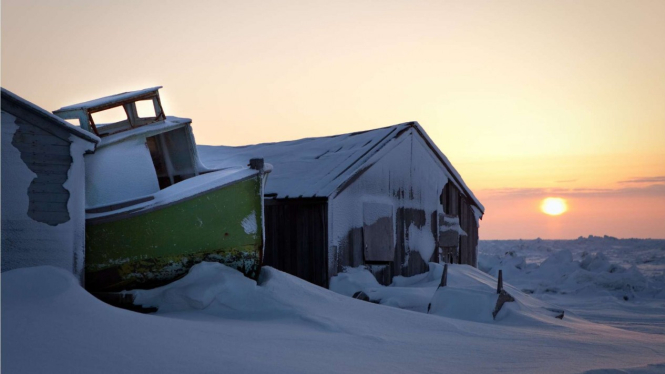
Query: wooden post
point(444, 276)
point(499, 286)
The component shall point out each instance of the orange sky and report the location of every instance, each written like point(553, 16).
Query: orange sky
point(528, 99)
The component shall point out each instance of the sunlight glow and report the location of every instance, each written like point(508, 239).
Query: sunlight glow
point(554, 206)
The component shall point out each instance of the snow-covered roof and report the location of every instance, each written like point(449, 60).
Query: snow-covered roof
point(317, 167)
point(109, 100)
point(8, 95)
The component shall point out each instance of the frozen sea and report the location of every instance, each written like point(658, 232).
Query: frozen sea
point(618, 282)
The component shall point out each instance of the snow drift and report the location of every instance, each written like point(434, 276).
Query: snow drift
point(215, 320)
point(470, 295)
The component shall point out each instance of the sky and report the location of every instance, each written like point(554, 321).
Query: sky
point(528, 99)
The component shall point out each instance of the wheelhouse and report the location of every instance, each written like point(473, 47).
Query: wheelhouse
point(149, 153)
point(129, 101)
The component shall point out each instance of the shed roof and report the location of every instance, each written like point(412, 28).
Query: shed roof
point(57, 121)
point(109, 100)
point(317, 167)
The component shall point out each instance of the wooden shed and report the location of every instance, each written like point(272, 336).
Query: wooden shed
point(43, 187)
point(387, 198)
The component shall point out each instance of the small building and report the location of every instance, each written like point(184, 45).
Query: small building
point(387, 198)
point(43, 187)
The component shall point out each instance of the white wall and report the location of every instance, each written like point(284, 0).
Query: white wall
point(30, 243)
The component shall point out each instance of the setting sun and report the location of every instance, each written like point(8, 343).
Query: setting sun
point(554, 206)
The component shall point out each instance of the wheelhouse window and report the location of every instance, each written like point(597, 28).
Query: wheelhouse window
point(145, 109)
point(110, 120)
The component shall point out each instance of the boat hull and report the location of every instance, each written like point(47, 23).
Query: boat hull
point(150, 248)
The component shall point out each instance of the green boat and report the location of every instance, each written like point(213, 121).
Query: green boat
point(152, 209)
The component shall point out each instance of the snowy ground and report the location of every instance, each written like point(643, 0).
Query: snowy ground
point(215, 320)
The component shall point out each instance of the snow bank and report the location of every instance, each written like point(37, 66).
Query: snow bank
point(219, 321)
point(215, 289)
point(470, 295)
point(205, 283)
point(648, 369)
point(352, 280)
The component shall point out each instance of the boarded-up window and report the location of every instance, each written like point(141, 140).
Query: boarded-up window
point(378, 232)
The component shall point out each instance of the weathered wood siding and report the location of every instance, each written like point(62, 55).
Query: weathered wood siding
point(408, 177)
point(465, 240)
point(42, 191)
point(470, 226)
point(296, 238)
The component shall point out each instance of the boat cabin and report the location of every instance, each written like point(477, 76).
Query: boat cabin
point(139, 154)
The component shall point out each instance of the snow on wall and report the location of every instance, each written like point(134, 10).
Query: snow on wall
point(345, 209)
point(119, 173)
point(405, 175)
point(26, 242)
point(420, 240)
point(429, 176)
point(452, 224)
